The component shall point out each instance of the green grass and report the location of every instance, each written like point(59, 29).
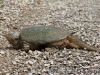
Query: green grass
point(1, 1)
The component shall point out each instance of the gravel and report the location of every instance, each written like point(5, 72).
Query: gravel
point(82, 16)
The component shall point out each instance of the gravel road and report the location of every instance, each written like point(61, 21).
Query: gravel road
point(82, 16)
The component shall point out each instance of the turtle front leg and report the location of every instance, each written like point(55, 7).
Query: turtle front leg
point(25, 46)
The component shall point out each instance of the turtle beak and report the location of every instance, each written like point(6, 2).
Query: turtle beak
point(13, 40)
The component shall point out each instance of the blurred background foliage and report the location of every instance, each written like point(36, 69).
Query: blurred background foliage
point(1, 1)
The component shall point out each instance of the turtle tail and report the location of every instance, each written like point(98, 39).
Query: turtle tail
point(76, 43)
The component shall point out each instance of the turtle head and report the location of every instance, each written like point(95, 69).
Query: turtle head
point(13, 38)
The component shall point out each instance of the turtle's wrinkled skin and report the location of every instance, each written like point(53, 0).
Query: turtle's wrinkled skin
point(45, 36)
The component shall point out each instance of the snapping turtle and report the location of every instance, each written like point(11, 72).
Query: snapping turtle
point(46, 36)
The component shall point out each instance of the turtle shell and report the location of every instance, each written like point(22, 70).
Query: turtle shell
point(43, 34)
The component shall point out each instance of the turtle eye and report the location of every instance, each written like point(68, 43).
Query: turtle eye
point(16, 40)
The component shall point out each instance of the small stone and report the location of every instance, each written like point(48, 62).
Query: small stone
point(51, 62)
point(65, 62)
point(86, 67)
point(70, 62)
point(56, 74)
point(45, 57)
point(95, 65)
point(2, 52)
point(97, 57)
point(82, 74)
point(30, 62)
point(46, 64)
point(77, 53)
point(84, 61)
point(37, 52)
point(44, 70)
point(29, 73)
point(65, 49)
point(14, 62)
point(92, 73)
point(7, 73)
point(22, 53)
point(30, 52)
point(17, 60)
point(61, 55)
point(51, 74)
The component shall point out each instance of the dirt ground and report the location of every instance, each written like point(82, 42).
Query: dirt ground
point(82, 16)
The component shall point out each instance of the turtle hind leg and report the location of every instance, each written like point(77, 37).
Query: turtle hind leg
point(64, 43)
